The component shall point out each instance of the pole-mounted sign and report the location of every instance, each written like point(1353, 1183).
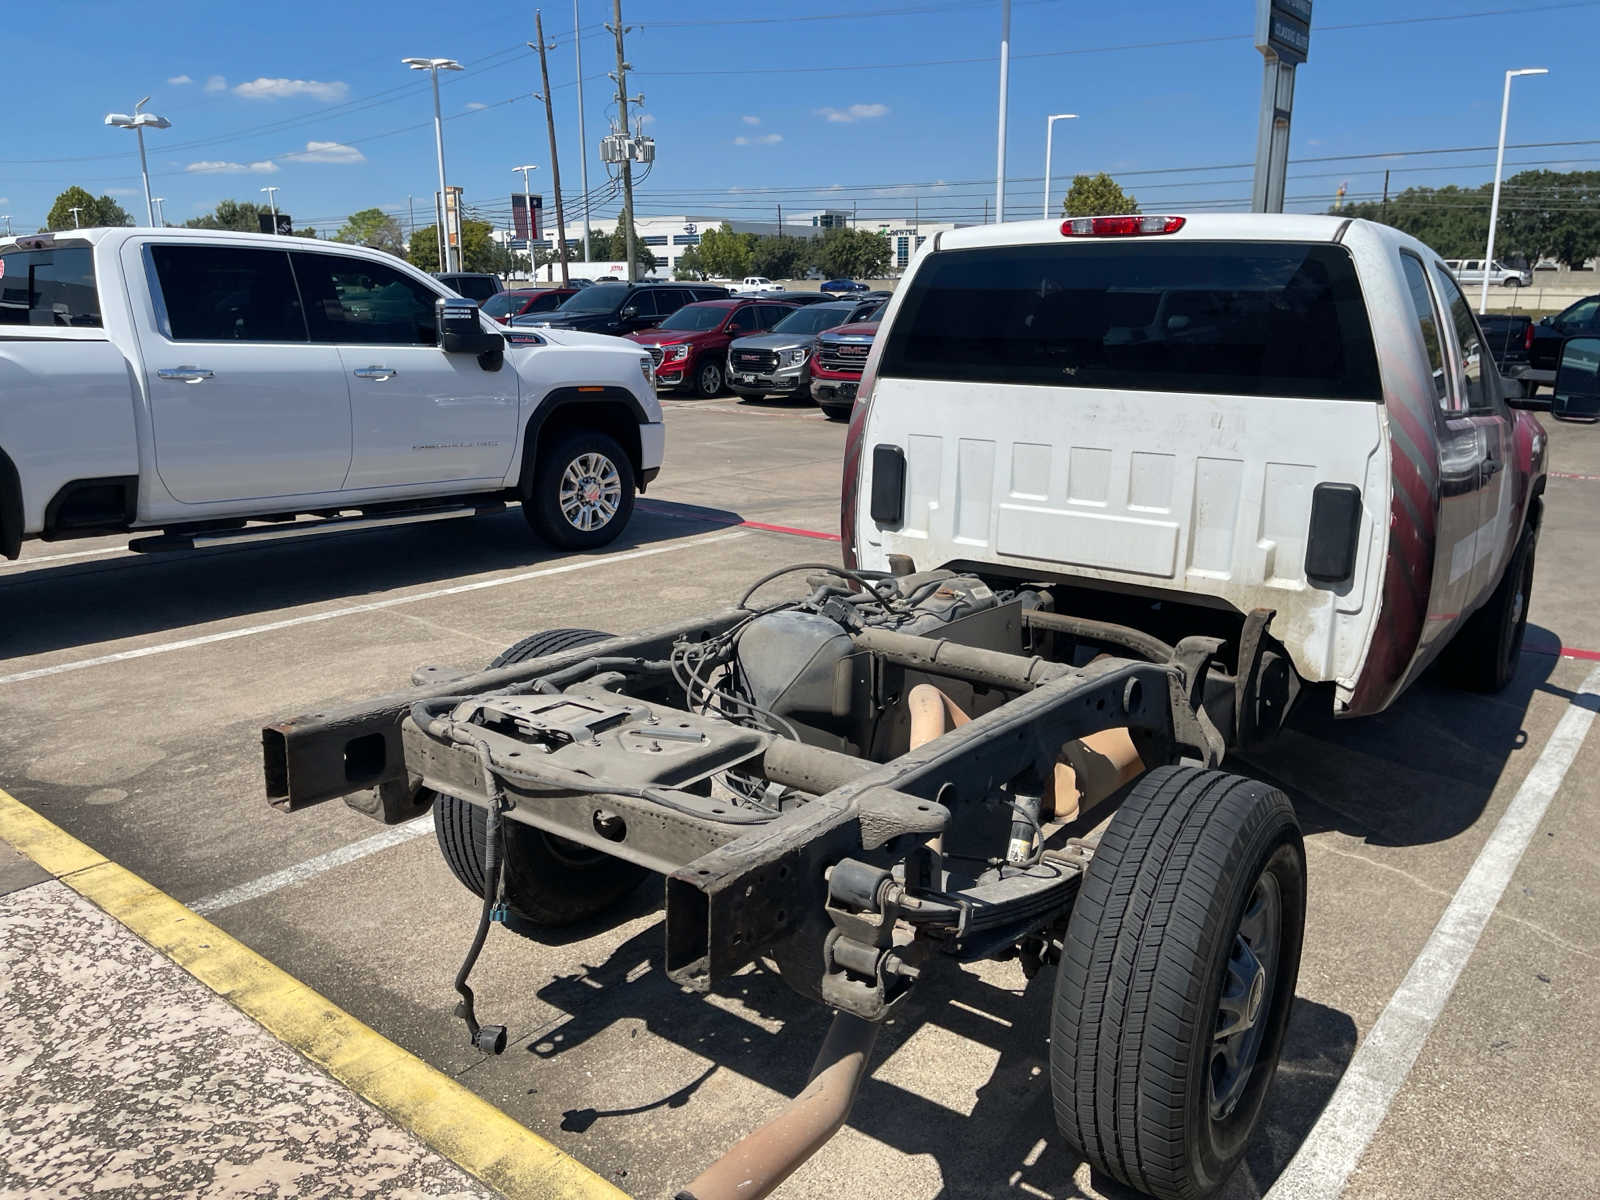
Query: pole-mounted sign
point(1283, 35)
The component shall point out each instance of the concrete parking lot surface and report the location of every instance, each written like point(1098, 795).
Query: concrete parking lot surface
point(134, 689)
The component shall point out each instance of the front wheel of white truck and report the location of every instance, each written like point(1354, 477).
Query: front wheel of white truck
point(582, 492)
point(1176, 979)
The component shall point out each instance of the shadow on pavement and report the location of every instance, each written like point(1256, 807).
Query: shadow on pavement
point(83, 603)
point(1008, 1143)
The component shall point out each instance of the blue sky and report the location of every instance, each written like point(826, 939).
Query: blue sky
point(312, 98)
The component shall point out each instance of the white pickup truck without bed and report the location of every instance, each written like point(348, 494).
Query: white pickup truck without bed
point(190, 381)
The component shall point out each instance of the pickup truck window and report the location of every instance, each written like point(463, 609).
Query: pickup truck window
point(227, 294)
point(1422, 306)
point(1240, 318)
point(1582, 317)
point(1473, 392)
point(49, 287)
point(357, 301)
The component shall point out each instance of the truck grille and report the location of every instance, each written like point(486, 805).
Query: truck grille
point(764, 361)
point(656, 354)
point(843, 356)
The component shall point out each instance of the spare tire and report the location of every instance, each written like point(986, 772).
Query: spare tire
point(549, 881)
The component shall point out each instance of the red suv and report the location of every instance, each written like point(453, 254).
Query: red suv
point(689, 347)
point(837, 364)
point(515, 302)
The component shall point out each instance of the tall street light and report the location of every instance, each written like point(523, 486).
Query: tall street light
point(527, 211)
point(1049, 132)
point(1005, 91)
point(433, 66)
point(161, 216)
point(272, 202)
point(139, 122)
point(1499, 162)
point(75, 210)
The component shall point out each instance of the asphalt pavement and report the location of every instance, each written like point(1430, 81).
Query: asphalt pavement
point(135, 687)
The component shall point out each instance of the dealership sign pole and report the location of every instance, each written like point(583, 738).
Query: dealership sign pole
point(1283, 35)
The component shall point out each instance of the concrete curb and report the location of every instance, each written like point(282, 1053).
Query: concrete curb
point(464, 1128)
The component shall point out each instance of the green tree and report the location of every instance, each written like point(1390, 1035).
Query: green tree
point(689, 265)
point(243, 216)
point(614, 247)
point(372, 227)
point(96, 212)
point(1097, 196)
point(423, 251)
point(780, 257)
point(726, 254)
point(853, 254)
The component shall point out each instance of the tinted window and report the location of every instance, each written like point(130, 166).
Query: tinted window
point(814, 319)
point(768, 315)
point(474, 287)
point(505, 304)
point(596, 300)
point(670, 300)
point(1422, 307)
point(226, 293)
point(1241, 318)
point(545, 301)
point(695, 317)
point(352, 300)
point(1473, 352)
point(745, 320)
point(49, 287)
point(645, 304)
point(1582, 317)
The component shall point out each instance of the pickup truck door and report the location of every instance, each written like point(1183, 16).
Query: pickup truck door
point(1476, 386)
point(418, 416)
point(242, 405)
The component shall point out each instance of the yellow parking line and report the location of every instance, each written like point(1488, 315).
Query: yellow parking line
point(443, 1114)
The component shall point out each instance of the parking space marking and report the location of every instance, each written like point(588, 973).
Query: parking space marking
point(35, 560)
point(395, 835)
point(1333, 1149)
point(229, 635)
point(454, 1121)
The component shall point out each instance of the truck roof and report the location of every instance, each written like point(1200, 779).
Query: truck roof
point(117, 232)
point(1269, 227)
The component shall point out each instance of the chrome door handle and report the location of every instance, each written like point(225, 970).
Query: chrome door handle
point(184, 374)
point(378, 373)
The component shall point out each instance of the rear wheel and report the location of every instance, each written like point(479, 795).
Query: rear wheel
point(582, 492)
point(549, 881)
point(1176, 979)
point(1483, 655)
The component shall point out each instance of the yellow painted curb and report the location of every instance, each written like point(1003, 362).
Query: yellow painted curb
point(446, 1116)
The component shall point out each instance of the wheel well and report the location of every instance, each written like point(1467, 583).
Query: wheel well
point(609, 414)
point(84, 507)
point(10, 507)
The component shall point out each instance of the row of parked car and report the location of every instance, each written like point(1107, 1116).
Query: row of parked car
point(705, 339)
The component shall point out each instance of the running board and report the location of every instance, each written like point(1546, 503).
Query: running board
point(251, 535)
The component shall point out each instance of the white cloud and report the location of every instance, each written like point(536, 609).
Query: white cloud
point(643, 121)
point(474, 106)
point(179, 80)
point(219, 167)
point(327, 152)
point(765, 139)
point(216, 83)
point(751, 120)
point(856, 112)
point(5, 200)
point(285, 89)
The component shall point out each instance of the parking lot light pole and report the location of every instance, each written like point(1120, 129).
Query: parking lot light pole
point(75, 210)
point(139, 122)
point(1049, 132)
point(161, 216)
point(1005, 88)
point(433, 66)
point(1499, 164)
point(527, 213)
point(272, 202)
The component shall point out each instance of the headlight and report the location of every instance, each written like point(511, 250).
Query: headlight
point(647, 368)
point(796, 357)
point(677, 353)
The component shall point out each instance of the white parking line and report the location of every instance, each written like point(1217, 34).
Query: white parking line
point(300, 872)
point(1369, 1085)
point(229, 635)
point(35, 560)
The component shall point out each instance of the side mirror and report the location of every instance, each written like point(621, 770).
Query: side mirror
point(629, 311)
point(460, 329)
point(1578, 380)
point(1547, 320)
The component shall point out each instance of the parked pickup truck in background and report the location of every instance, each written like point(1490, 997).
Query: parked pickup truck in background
point(191, 380)
point(1510, 337)
point(1469, 273)
point(1580, 319)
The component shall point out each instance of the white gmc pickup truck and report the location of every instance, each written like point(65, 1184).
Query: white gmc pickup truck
point(187, 381)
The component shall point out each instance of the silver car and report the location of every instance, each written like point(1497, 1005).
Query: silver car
point(778, 363)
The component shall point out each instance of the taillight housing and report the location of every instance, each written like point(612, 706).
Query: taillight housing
point(1527, 337)
point(1131, 226)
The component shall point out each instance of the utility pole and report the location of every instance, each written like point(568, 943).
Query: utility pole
point(853, 214)
point(411, 222)
point(583, 138)
point(555, 167)
point(1386, 197)
point(621, 77)
point(780, 220)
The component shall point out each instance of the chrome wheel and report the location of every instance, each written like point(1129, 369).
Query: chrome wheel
point(591, 492)
point(1247, 985)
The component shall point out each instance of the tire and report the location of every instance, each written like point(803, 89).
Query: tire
point(836, 412)
point(549, 881)
point(583, 479)
point(708, 380)
point(1483, 655)
point(1197, 885)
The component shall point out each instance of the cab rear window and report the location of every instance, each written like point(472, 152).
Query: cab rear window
point(1236, 318)
point(53, 286)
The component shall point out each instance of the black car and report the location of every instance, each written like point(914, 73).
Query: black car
point(626, 308)
point(1550, 334)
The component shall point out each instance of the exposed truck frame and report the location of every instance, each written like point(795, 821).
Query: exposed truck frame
point(855, 861)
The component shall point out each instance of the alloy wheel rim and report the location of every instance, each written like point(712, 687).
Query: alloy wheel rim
point(591, 492)
point(1245, 1003)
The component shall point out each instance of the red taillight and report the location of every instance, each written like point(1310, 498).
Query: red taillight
point(1119, 226)
point(1527, 337)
